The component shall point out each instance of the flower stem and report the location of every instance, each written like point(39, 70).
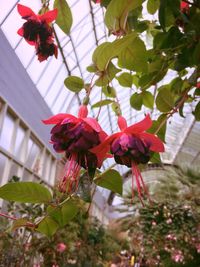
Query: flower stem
point(8, 216)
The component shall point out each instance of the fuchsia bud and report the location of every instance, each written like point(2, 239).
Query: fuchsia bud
point(83, 111)
point(122, 123)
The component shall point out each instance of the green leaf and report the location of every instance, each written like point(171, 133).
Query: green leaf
point(106, 51)
point(117, 13)
point(109, 91)
point(91, 68)
point(64, 19)
point(152, 6)
point(69, 211)
point(197, 112)
point(148, 99)
point(135, 80)
point(62, 215)
point(134, 56)
point(156, 125)
point(136, 101)
point(155, 158)
point(74, 83)
point(102, 103)
point(19, 223)
point(111, 180)
point(125, 79)
point(103, 80)
point(164, 99)
point(111, 71)
point(25, 192)
point(102, 55)
point(168, 11)
point(47, 226)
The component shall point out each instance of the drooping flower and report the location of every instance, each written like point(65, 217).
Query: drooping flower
point(132, 146)
point(37, 31)
point(76, 136)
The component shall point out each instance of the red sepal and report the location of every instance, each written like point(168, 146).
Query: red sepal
point(59, 118)
point(105, 145)
point(49, 16)
point(139, 127)
point(25, 11)
point(21, 32)
point(93, 123)
point(156, 144)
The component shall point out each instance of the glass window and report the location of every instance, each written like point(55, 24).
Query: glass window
point(46, 172)
point(2, 164)
point(7, 132)
point(27, 176)
point(19, 142)
point(33, 152)
point(13, 170)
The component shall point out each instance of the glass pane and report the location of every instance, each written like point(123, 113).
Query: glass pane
point(19, 141)
point(2, 165)
point(33, 152)
point(47, 168)
point(13, 170)
point(7, 132)
point(52, 173)
point(27, 176)
point(37, 165)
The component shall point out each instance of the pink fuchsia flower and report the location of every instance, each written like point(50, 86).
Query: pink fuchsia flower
point(76, 136)
point(61, 247)
point(132, 146)
point(37, 31)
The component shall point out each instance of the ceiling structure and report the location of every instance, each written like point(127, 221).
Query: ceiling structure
point(88, 31)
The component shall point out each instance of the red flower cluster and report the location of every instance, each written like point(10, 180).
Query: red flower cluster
point(37, 31)
point(87, 145)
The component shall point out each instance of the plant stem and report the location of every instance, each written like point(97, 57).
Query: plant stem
point(8, 216)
